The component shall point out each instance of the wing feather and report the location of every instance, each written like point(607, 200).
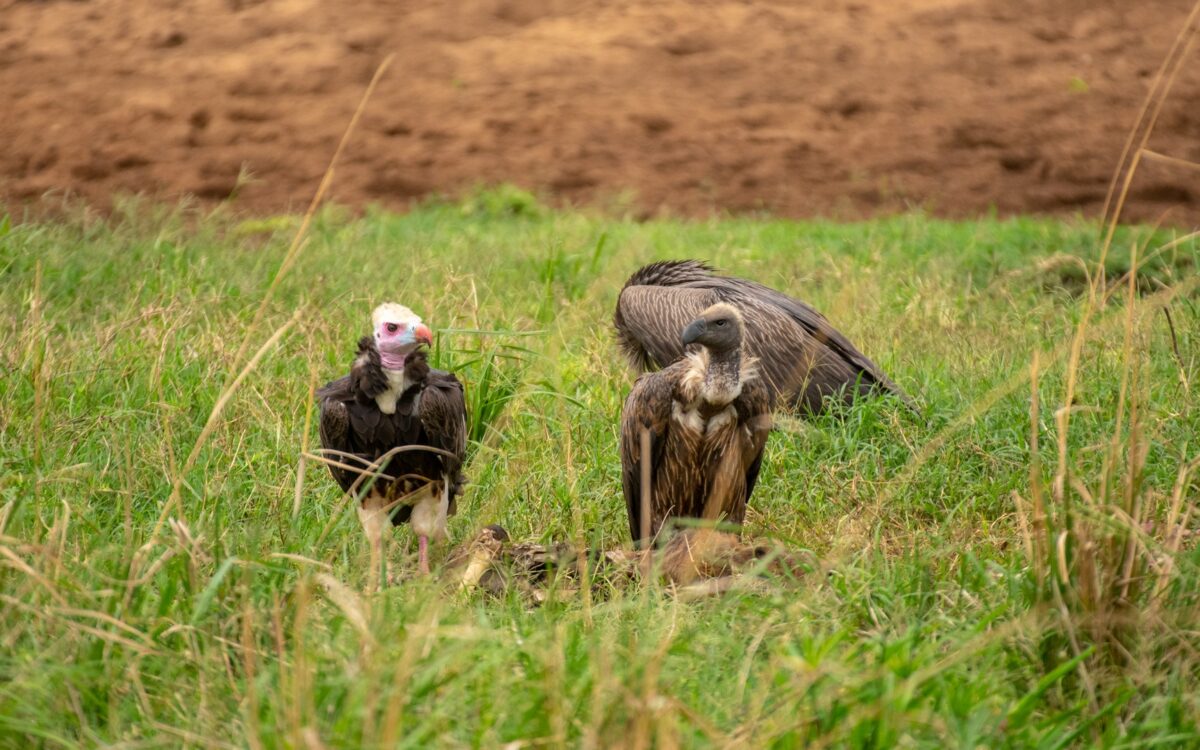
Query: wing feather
point(647, 408)
point(754, 413)
point(650, 321)
point(836, 362)
point(443, 413)
point(334, 428)
point(802, 356)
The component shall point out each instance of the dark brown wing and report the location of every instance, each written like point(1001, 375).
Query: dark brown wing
point(443, 414)
point(650, 322)
point(802, 357)
point(647, 409)
point(653, 309)
point(793, 362)
point(367, 377)
point(334, 428)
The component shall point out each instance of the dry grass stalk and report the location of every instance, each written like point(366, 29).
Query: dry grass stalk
point(300, 238)
point(289, 259)
point(302, 463)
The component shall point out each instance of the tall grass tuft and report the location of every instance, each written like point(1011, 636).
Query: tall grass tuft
point(492, 374)
point(1107, 533)
point(1104, 535)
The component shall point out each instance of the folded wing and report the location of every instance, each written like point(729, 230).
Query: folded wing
point(803, 358)
point(443, 415)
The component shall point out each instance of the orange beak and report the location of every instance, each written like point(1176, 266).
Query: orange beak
point(423, 334)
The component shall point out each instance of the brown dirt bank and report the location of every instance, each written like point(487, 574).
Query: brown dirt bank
point(833, 107)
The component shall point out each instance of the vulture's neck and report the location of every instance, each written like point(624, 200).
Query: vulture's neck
point(722, 378)
point(392, 361)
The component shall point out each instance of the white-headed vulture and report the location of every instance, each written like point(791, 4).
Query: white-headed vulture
point(693, 433)
point(392, 409)
point(802, 358)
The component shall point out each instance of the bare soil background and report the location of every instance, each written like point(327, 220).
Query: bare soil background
point(833, 107)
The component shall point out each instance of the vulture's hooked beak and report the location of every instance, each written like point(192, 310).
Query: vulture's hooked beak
point(694, 331)
point(423, 335)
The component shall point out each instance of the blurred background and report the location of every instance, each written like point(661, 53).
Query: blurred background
point(834, 108)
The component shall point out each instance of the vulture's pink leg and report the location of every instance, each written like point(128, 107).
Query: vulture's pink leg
point(375, 521)
point(423, 553)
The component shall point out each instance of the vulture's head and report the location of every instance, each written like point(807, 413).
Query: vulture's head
point(398, 332)
point(719, 329)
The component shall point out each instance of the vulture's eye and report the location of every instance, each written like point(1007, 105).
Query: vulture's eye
point(392, 327)
point(721, 323)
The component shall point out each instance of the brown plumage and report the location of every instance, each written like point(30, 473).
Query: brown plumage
point(693, 433)
point(801, 357)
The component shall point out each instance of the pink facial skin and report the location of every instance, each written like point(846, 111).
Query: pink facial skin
point(396, 339)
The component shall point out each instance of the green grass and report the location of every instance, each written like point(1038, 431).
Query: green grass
point(938, 613)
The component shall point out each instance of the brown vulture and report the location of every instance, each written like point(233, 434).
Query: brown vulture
point(692, 434)
point(802, 358)
point(392, 409)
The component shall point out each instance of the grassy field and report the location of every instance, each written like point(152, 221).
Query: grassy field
point(173, 578)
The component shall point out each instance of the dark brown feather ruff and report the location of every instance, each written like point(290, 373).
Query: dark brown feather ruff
point(367, 372)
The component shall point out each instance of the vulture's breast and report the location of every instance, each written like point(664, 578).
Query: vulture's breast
point(704, 449)
point(705, 423)
point(397, 384)
point(688, 418)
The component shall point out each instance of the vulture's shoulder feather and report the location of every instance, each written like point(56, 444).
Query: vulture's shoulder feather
point(366, 380)
point(366, 374)
point(654, 307)
point(443, 411)
point(443, 414)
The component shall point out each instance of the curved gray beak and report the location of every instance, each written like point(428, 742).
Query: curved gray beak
point(694, 331)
